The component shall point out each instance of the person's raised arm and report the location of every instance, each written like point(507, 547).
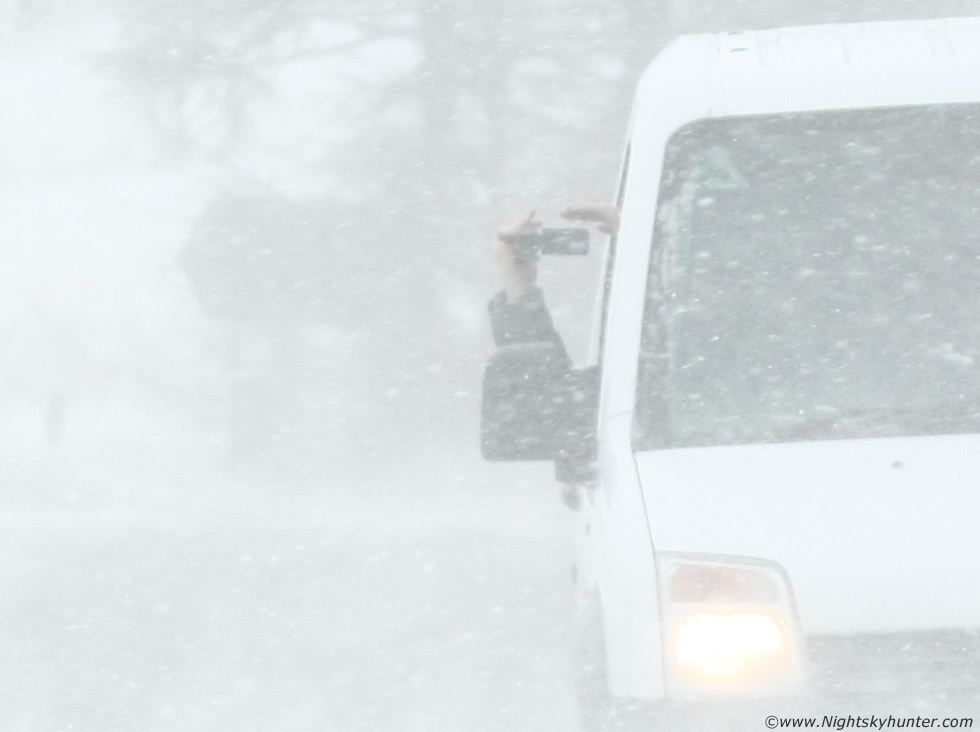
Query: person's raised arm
point(518, 313)
point(518, 275)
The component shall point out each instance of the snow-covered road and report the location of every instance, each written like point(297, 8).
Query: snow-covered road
point(408, 605)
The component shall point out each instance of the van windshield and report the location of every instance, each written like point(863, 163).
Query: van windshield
point(815, 276)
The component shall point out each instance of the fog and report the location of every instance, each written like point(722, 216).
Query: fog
point(244, 273)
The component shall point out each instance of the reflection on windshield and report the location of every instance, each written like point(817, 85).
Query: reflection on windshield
point(813, 266)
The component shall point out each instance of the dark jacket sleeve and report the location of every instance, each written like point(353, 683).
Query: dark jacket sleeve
point(526, 320)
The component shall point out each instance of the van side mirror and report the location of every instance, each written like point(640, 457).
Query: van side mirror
point(534, 407)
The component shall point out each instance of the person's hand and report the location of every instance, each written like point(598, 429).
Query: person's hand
point(605, 217)
point(519, 275)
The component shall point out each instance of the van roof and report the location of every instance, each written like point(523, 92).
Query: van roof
point(890, 63)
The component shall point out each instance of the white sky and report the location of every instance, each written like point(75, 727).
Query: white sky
point(86, 239)
point(57, 114)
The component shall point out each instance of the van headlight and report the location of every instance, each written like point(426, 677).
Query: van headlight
point(727, 645)
point(730, 625)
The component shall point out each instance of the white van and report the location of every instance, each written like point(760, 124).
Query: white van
point(784, 512)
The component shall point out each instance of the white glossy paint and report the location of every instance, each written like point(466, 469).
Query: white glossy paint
point(875, 535)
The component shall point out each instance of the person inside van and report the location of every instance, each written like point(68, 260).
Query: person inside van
point(518, 313)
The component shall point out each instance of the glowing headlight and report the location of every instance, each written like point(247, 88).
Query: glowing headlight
point(730, 625)
point(724, 645)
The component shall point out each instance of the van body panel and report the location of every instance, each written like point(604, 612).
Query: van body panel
point(875, 535)
point(627, 572)
point(809, 68)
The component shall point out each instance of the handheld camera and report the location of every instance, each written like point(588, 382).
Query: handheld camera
point(527, 245)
